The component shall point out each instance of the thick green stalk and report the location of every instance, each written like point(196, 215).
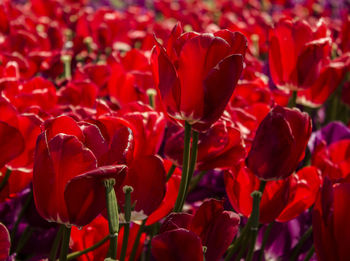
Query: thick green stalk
point(127, 211)
point(185, 169)
point(65, 243)
point(257, 195)
point(66, 59)
point(113, 217)
point(56, 244)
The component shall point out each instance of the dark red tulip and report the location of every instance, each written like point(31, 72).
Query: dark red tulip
point(279, 143)
point(5, 242)
point(331, 228)
point(188, 72)
point(282, 200)
point(297, 53)
point(211, 226)
point(73, 158)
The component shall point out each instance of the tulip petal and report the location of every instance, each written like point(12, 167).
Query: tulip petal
point(219, 86)
point(198, 57)
point(179, 244)
point(148, 178)
point(85, 194)
point(56, 162)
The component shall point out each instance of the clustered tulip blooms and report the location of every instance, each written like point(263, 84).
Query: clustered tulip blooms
point(174, 130)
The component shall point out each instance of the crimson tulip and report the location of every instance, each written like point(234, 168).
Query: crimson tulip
point(329, 79)
point(282, 200)
point(74, 159)
point(279, 143)
point(297, 53)
point(196, 74)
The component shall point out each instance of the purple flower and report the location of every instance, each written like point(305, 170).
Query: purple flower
point(332, 132)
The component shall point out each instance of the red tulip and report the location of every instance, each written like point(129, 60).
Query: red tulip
point(279, 143)
point(73, 159)
point(297, 53)
point(282, 200)
point(182, 235)
point(331, 228)
point(329, 79)
point(192, 68)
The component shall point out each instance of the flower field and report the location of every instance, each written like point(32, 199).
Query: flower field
point(159, 130)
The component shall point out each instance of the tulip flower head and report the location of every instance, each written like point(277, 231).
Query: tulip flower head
point(279, 143)
point(197, 73)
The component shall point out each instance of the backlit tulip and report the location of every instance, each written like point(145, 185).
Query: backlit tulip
point(197, 73)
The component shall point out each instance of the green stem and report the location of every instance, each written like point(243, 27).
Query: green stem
point(170, 172)
point(293, 100)
point(24, 239)
point(56, 244)
point(65, 243)
point(310, 253)
point(152, 97)
point(237, 243)
point(297, 248)
point(137, 241)
point(193, 160)
point(245, 241)
point(185, 169)
point(257, 195)
point(265, 238)
point(113, 217)
point(5, 179)
point(87, 250)
point(127, 210)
